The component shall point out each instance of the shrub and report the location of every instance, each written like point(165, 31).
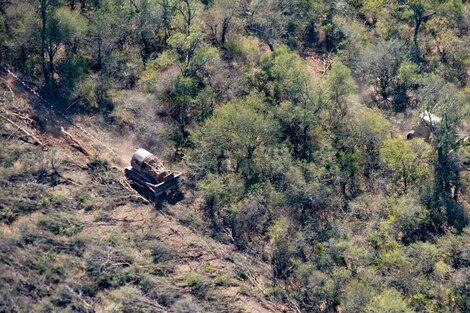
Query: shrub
point(107, 267)
point(61, 224)
point(249, 222)
point(389, 301)
point(224, 280)
point(164, 291)
point(356, 296)
point(129, 299)
point(246, 47)
point(86, 201)
point(195, 282)
point(185, 306)
point(161, 253)
point(97, 164)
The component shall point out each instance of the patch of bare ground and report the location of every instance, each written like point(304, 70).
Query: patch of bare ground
point(318, 63)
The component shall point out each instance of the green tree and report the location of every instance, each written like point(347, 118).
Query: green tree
point(421, 11)
point(286, 81)
point(22, 44)
point(221, 16)
point(108, 26)
point(196, 61)
point(389, 301)
point(408, 160)
point(150, 19)
point(369, 128)
point(192, 53)
point(339, 85)
point(215, 190)
point(379, 65)
point(445, 102)
point(71, 34)
point(279, 22)
point(183, 96)
point(356, 296)
point(285, 77)
point(46, 9)
point(283, 236)
point(235, 133)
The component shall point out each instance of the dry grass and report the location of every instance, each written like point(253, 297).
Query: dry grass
point(82, 240)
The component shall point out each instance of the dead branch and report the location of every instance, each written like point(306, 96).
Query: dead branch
point(251, 277)
point(78, 296)
point(294, 305)
point(12, 94)
point(154, 304)
point(76, 144)
point(29, 134)
point(114, 222)
point(15, 103)
point(24, 118)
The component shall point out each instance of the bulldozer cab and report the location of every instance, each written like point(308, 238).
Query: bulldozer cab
point(148, 164)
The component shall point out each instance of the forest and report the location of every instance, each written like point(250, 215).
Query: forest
point(324, 145)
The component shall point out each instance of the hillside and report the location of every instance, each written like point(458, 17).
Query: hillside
point(324, 147)
point(76, 236)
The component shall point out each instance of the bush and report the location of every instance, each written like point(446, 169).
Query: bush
point(411, 219)
point(248, 223)
point(97, 164)
point(389, 301)
point(185, 306)
point(224, 280)
point(356, 296)
point(86, 201)
point(247, 48)
point(161, 253)
point(164, 291)
point(284, 249)
point(107, 267)
point(129, 299)
point(195, 282)
point(61, 224)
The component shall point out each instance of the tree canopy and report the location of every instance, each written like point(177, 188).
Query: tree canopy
point(326, 140)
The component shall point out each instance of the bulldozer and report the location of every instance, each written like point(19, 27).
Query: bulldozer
point(147, 173)
point(425, 126)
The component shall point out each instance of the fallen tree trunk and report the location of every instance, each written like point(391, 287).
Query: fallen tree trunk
point(28, 133)
point(76, 144)
point(24, 117)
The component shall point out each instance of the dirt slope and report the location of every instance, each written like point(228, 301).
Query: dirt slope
point(164, 259)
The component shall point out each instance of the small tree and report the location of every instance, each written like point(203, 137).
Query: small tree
point(369, 129)
point(283, 237)
point(389, 301)
point(234, 134)
point(339, 85)
point(287, 83)
point(407, 160)
point(379, 65)
point(444, 101)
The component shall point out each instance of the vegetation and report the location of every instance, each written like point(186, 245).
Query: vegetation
point(290, 120)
